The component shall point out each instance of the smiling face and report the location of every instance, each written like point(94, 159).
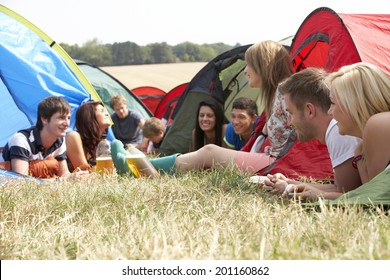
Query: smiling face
point(242, 121)
point(254, 80)
point(206, 118)
point(58, 124)
point(102, 117)
point(344, 121)
point(297, 120)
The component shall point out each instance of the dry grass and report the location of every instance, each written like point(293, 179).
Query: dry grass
point(197, 215)
point(163, 76)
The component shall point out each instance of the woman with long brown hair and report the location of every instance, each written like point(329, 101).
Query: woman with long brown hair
point(92, 121)
point(210, 125)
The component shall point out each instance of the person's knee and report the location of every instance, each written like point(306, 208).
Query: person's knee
point(209, 150)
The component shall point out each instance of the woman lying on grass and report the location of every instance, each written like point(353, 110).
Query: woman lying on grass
point(92, 121)
point(360, 96)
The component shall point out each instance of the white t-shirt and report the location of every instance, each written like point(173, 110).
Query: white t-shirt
point(340, 147)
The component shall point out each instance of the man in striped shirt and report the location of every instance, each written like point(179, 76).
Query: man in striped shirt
point(40, 150)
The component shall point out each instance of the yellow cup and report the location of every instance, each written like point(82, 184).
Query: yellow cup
point(104, 165)
point(140, 165)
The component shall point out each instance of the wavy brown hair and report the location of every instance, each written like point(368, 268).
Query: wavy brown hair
point(88, 127)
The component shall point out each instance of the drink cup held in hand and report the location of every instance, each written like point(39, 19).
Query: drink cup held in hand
point(104, 163)
point(139, 164)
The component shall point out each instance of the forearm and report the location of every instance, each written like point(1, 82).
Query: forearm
point(326, 187)
point(326, 191)
point(331, 195)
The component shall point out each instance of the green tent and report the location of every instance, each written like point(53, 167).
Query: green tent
point(374, 192)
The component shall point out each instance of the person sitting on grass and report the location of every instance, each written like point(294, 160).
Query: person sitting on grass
point(307, 100)
point(154, 130)
point(40, 150)
point(210, 125)
point(92, 121)
point(127, 124)
point(360, 103)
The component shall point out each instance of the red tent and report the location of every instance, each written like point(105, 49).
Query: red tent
point(168, 103)
point(330, 40)
point(150, 96)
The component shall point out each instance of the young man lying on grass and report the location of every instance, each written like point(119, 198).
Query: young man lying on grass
point(307, 101)
point(40, 150)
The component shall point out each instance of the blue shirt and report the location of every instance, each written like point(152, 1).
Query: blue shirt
point(234, 140)
point(127, 130)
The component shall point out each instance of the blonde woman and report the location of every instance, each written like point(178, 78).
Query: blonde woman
point(360, 96)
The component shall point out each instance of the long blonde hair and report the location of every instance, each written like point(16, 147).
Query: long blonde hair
point(271, 62)
point(362, 89)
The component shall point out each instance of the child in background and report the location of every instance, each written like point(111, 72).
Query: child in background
point(154, 130)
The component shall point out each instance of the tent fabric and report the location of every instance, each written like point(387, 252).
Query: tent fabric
point(168, 103)
point(6, 175)
point(330, 40)
point(150, 96)
point(107, 86)
point(374, 192)
point(32, 67)
point(307, 160)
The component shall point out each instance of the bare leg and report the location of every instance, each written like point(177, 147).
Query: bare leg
point(205, 158)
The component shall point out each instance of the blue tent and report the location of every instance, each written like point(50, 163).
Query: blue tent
point(32, 67)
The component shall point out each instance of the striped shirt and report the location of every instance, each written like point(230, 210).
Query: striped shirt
point(27, 145)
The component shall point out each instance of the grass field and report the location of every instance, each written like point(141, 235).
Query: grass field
point(162, 76)
point(209, 215)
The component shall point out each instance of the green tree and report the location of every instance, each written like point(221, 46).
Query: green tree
point(162, 53)
point(126, 53)
point(92, 51)
point(207, 53)
point(129, 53)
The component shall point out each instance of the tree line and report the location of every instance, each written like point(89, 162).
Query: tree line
point(129, 53)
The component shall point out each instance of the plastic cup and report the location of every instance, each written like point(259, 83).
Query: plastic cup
point(104, 165)
point(140, 165)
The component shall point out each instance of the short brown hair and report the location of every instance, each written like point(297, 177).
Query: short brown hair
point(244, 103)
point(49, 106)
point(117, 99)
point(152, 127)
point(307, 85)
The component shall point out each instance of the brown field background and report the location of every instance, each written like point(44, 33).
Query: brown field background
point(163, 76)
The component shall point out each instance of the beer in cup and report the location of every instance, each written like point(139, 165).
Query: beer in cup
point(104, 165)
point(140, 165)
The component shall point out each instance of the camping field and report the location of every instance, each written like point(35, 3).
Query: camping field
point(199, 215)
point(214, 214)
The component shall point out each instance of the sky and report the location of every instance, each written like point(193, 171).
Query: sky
point(176, 21)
